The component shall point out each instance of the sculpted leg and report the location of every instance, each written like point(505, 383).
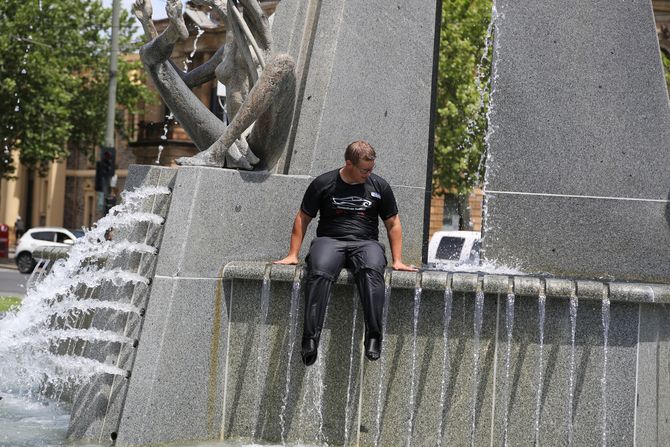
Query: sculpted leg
point(260, 99)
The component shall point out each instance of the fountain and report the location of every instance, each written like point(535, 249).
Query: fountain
point(469, 358)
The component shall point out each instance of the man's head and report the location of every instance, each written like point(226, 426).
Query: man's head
point(359, 158)
point(359, 150)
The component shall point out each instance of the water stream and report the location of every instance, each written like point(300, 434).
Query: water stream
point(412, 388)
point(442, 430)
point(293, 319)
point(541, 302)
point(479, 316)
point(509, 326)
point(574, 302)
point(381, 397)
point(603, 380)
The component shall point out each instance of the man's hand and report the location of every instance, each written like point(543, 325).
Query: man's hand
point(289, 260)
point(398, 265)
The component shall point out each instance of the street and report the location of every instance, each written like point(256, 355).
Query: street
point(12, 283)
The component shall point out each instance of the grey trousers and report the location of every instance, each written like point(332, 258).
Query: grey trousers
point(327, 257)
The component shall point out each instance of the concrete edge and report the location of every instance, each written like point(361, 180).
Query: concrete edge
point(473, 282)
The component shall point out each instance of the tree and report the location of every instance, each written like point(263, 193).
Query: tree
point(54, 72)
point(461, 106)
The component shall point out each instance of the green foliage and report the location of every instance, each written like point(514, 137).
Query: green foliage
point(461, 110)
point(7, 302)
point(54, 66)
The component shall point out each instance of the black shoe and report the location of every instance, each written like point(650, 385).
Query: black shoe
point(310, 349)
point(373, 349)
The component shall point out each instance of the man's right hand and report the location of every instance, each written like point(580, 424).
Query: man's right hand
point(289, 260)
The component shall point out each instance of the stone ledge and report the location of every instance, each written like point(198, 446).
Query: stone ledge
point(471, 282)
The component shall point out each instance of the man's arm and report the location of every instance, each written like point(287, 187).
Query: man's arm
point(300, 224)
point(394, 232)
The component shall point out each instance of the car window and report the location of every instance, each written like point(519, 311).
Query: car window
point(449, 248)
point(43, 235)
point(62, 237)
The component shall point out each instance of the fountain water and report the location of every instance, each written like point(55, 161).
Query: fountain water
point(478, 320)
point(509, 325)
point(415, 336)
point(442, 431)
point(30, 335)
point(574, 302)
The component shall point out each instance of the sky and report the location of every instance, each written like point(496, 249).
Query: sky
point(158, 5)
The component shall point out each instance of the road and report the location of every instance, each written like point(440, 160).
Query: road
point(12, 283)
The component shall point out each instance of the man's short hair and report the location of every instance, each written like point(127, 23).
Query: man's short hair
point(359, 150)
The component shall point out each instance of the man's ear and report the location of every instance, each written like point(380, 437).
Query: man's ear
point(348, 163)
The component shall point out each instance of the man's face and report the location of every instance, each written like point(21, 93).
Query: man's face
point(360, 171)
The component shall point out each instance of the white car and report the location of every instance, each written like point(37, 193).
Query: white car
point(454, 248)
point(40, 237)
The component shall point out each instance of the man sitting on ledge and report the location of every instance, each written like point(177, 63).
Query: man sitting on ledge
point(350, 199)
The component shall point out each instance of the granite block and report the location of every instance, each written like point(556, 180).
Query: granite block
point(585, 105)
point(519, 387)
point(98, 404)
point(527, 286)
point(652, 340)
point(322, 400)
point(497, 284)
point(359, 103)
point(465, 282)
point(176, 389)
point(213, 229)
point(583, 238)
point(391, 412)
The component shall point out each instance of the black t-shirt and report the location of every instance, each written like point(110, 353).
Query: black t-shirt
point(349, 212)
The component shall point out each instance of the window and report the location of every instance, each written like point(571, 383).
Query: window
point(450, 248)
point(62, 237)
point(48, 236)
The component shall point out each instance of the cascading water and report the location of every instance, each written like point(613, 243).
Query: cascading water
point(479, 317)
point(311, 407)
point(442, 431)
point(412, 389)
point(541, 301)
point(574, 302)
point(603, 380)
point(348, 410)
point(261, 364)
point(293, 318)
point(31, 335)
point(382, 362)
point(509, 326)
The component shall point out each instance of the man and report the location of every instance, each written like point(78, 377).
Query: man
point(350, 200)
point(19, 228)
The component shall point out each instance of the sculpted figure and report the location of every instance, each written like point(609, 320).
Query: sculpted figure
point(260, 85)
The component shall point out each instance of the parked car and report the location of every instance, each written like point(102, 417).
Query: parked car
point(454, 248)
point(40, 237)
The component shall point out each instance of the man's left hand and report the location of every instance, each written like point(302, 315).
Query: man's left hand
point(398, 265)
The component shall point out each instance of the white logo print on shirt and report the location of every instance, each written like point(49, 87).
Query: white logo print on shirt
point(352, 203)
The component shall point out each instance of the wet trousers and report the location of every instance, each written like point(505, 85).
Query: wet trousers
point(327, 257)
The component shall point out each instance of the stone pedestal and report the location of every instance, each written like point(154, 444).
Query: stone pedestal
point(578, 173)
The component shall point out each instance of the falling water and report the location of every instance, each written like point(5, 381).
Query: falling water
point(603, 380)
point(348, 410)
point(509, 326)
point(261, 364)
point(412, 389)
point(166, 128)
point(189, 59)
point(293, 322)
point(30, 334)
point(479, 316)
point(382, 361)
point(571, 385)
point(540, 368)
point(444, 408)
point(312, 397)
